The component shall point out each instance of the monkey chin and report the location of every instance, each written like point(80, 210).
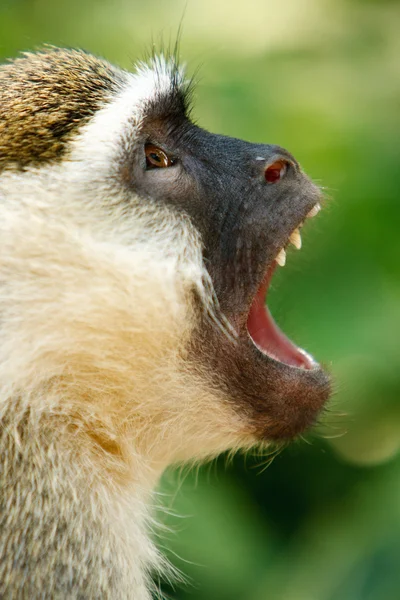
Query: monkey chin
point(304, 385)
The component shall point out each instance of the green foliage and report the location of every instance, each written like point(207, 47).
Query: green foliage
point(323, 521)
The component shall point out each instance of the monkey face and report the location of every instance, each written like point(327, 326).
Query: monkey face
point(118, 156)
point(246, 200)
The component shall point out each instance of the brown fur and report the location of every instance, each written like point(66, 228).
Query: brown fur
point(45, 98)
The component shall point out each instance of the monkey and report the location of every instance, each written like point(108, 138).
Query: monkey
point(136, 254)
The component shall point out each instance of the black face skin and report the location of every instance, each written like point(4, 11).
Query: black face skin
point(244, 221)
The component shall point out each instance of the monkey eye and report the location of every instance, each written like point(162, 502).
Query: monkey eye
point(276, 171)
point(156, 158)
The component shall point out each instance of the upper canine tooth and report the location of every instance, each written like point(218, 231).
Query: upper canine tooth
point(295, 238)
point(281, 258)
point(314, 211)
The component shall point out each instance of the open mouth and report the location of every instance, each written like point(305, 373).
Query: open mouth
point(264, 332)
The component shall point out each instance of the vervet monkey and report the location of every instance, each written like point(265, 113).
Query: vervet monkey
point(136, 252)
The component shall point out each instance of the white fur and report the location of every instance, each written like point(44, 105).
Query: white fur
point(103, 135)
point(95, 314)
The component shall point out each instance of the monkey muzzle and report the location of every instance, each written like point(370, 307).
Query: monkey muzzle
point(258, 210)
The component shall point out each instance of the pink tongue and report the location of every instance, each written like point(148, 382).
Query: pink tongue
point(266, 334)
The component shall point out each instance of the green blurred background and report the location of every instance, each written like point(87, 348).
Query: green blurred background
point(322, 78)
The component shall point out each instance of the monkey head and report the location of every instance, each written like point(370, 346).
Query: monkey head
point(137, 252)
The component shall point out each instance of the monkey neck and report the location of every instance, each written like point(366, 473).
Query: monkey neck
point(57, 487)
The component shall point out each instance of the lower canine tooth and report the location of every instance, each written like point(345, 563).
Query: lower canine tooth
point(295, 238)
point(314, 211)
point(281, 258)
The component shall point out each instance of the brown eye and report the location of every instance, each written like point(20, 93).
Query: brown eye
point(276, 171)
point(157, 158)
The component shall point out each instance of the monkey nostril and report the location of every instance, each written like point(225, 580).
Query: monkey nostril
point(275, 171)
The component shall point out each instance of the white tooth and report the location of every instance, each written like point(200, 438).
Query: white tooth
point(314, 211)
point(295, 238)
point(281, 258)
